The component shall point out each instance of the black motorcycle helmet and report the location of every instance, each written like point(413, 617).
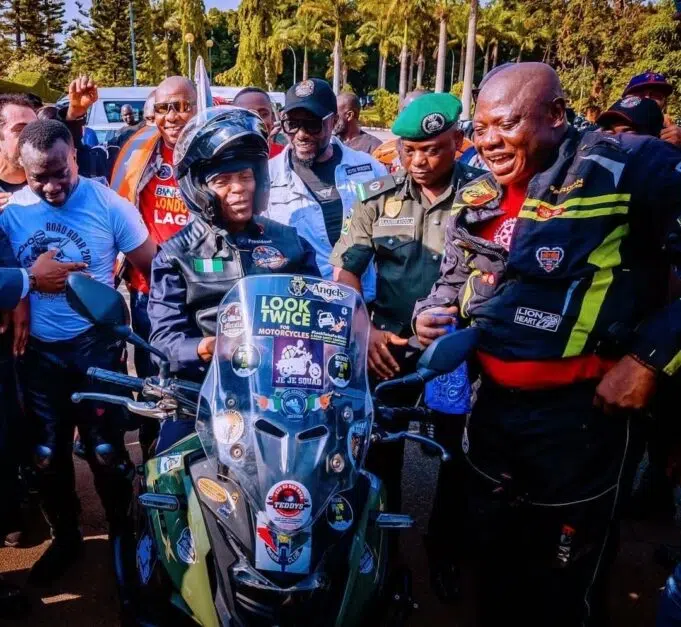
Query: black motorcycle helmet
point(220, 139)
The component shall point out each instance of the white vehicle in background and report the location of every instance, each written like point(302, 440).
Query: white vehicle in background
point(104, 117)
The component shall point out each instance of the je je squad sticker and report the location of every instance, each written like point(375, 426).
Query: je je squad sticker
point(288, 505)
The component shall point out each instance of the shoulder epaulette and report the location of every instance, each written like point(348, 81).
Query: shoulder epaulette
point(374, 188)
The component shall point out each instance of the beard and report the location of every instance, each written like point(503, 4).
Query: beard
point(309, 161)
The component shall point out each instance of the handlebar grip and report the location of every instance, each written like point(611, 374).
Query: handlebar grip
point(115, 378)
point(391, 414)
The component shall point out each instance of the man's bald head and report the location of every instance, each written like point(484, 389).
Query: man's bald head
point(349, 107)
point(519, 120)
point(174, 106)
point(410, 96)
point(349, 101)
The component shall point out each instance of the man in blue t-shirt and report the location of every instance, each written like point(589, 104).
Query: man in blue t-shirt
point(82, 221)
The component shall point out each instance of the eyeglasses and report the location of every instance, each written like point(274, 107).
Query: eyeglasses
point(179, 106)
point(313, 126)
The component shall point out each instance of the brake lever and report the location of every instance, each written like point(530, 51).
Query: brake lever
point(384, 436)
point(162, 410)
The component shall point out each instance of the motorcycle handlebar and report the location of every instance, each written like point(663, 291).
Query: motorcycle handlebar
point(394, 414)
point(115, 378)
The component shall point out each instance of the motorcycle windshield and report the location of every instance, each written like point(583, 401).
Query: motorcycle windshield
point(285, 409)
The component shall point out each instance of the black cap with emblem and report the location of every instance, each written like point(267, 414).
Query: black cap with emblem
point(314, 95)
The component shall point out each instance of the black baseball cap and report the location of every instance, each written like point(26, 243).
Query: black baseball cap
point(643, 114)
point(314, 95)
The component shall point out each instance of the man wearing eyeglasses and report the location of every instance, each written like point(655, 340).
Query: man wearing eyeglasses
point(143, 173)
point(314, 180)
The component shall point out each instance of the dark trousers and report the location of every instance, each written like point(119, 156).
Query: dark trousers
point(144, 366)
point(548, 474)
point(49, 373)
point(11, 441)
point(669, 610)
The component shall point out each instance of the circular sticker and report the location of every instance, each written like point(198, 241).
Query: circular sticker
point(433, 123)
point(288, 505)
point(304, 89)
point(245, 360)
point(297, 286)
point(339, 368)
point(366, 562)
point(231, 321)
point(268, 257)
point(339, 514)
point(228, 427)
point(294, 403)
point(165, 172)
point(212, 490)
point(375, 186)
point(630, 102)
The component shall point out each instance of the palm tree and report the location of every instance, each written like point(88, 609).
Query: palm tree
point(380, 28)
point(492, 27)
point(457, 27)
point(410, 12)
point(336, 13)
point(306, 30)
point(470, 60)
point(443, 10)
point(354, 58)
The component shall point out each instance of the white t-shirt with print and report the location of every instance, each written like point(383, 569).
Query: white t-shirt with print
point(92, 226)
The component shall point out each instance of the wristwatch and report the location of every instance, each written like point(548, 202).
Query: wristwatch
point(32, 282)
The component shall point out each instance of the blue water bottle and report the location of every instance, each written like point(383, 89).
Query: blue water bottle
point(450, 393)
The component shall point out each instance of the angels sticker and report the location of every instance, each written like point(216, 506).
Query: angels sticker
point(297, 363)
point(288, 505)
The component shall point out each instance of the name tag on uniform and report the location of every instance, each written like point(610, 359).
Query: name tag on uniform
point(396, 222)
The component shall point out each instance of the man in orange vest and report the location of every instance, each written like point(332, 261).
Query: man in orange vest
point(143, 173)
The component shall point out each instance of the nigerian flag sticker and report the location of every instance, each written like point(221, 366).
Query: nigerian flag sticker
point(208, 265)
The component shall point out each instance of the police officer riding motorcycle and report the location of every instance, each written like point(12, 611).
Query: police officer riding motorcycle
point(221, 166)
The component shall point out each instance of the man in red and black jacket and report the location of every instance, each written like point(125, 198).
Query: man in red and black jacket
point(561, 256)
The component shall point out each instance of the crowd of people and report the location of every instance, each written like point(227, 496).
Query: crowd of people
point(559, 243)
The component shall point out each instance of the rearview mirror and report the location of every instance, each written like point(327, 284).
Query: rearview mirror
point(447, 352)
point(100, 304)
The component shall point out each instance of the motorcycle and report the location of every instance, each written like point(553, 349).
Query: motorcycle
point(265, 515)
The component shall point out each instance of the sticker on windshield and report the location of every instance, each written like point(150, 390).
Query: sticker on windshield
point(293, 403)
point(283, 316)
point(339, 368)
point(281, 552)
point(366, 562)
point(297, 363)
point(268, 257)
point(357, 435)
point(228, 427)
point(328, 291)
point(231, 321)
point(288, 505)
point(297, 286)
point(331, 325)
point(186, 550)
point(145, 558)
point(212, 490)
point(168, 463)
point(339, 514)
point(245, 360)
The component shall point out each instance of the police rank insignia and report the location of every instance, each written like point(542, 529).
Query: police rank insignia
point(479, 193)
point(392, 208)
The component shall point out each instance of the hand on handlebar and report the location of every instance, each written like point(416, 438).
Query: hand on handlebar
point(206, 348)
point(430, 326)
point(381, 361)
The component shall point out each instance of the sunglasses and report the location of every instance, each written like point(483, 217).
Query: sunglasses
point(179, 106)
point(313, 126)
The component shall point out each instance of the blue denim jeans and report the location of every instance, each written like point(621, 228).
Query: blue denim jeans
point(669, 609)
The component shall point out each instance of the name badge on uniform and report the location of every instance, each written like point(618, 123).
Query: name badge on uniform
point(392, 207)
point(396, 222)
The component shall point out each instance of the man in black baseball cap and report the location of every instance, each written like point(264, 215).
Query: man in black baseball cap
point(631, 114)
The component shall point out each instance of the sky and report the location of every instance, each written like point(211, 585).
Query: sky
point(72, 11)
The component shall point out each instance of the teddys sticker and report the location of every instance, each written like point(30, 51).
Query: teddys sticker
point(366, 562)
point(245, 360)
point(339, 514)
point(339, 369)
point(228, 427)
point(281, 552)
point(231, 321)
point(297, 363)
point(212, 490)
point(186, 549)
point(289, 505)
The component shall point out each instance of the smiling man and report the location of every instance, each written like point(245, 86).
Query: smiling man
point(560, 256)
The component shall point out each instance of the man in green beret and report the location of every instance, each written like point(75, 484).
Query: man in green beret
point(399, 223)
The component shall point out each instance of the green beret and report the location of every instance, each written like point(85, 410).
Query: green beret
point(427, 116)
